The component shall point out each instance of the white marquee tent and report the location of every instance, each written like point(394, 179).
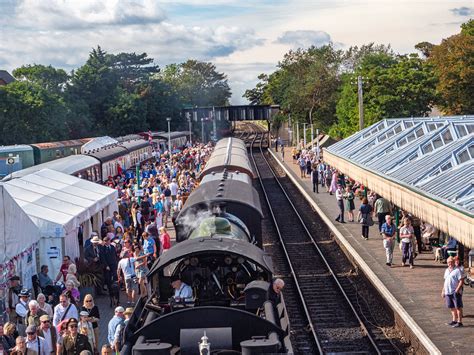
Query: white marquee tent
point(18, 239)
point(58, 204)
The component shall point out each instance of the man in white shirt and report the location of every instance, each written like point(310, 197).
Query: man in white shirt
point(48, 333)
point(340, 203)
point(36, 343)
point(174, 189)
point(64, 310)
point(182, 291)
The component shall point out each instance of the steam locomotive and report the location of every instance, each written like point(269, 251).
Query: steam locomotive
point(219, 255)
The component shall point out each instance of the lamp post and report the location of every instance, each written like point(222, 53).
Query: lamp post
point(312, 136)
point(214, 127)
point(297, 135)
point(317, 143)
point(202, 130)
point(304, 135)
point(188, 116)
point(168, 119)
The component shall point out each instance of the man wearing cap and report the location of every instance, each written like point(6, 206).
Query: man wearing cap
point(48, 333)
point(64, 310)
point(34, 314)
point(36, 343)
point(182, 291)
point(13, 298)
point(74, 342)
point(21, 307)
point(116, 321)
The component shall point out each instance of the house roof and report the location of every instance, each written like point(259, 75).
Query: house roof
point(6, 77)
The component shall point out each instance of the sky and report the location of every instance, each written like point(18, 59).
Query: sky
point(243, 38)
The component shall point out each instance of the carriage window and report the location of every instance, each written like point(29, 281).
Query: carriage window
point(419, 132)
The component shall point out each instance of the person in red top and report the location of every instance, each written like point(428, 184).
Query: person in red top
point(165, 240)
point(63, 269)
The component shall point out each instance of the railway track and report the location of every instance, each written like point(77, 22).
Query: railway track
point(320, 301)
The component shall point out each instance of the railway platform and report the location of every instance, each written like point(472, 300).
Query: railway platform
point(413, 294)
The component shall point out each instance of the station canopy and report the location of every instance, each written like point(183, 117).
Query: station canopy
point(423, 165)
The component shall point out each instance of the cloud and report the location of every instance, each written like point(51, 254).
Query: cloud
point(70, 14)
point(304, 38)
point(463, 11)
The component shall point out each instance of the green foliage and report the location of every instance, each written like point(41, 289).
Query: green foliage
point(111, 94)
point(306, 84)
point(453, 65)
point(51, 79)
point(198, 83)
point(394, 86)
point(30, 114)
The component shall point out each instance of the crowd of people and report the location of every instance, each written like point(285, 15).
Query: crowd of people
point(117, 256)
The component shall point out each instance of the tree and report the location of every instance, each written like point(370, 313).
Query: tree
point(133, 69)
point(96, 85)
point(453, 65)
point(30, 114)
point(49, 78)
point(395, 86)
point(198, 83)
point(128, 114)
point(425, 48)
point(256, 95)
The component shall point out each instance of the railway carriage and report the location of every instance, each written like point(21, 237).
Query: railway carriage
point(111, 158)
point(24, 154)
point(44, 152)
point(138, 151)
point(229, 154)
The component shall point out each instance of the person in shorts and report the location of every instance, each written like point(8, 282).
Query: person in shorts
point(127, 267)
point(453, 282)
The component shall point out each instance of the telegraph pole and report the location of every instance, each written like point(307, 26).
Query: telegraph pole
point(361, 102)
point(304, 135)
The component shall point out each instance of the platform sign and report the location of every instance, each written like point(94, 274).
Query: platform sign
point(139, 193)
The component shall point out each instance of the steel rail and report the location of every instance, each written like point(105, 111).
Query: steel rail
point(293, 274)
point(323, 258)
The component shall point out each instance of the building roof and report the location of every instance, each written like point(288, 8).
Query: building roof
point(432, 157)
point(6, 77)
point(415, 151)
